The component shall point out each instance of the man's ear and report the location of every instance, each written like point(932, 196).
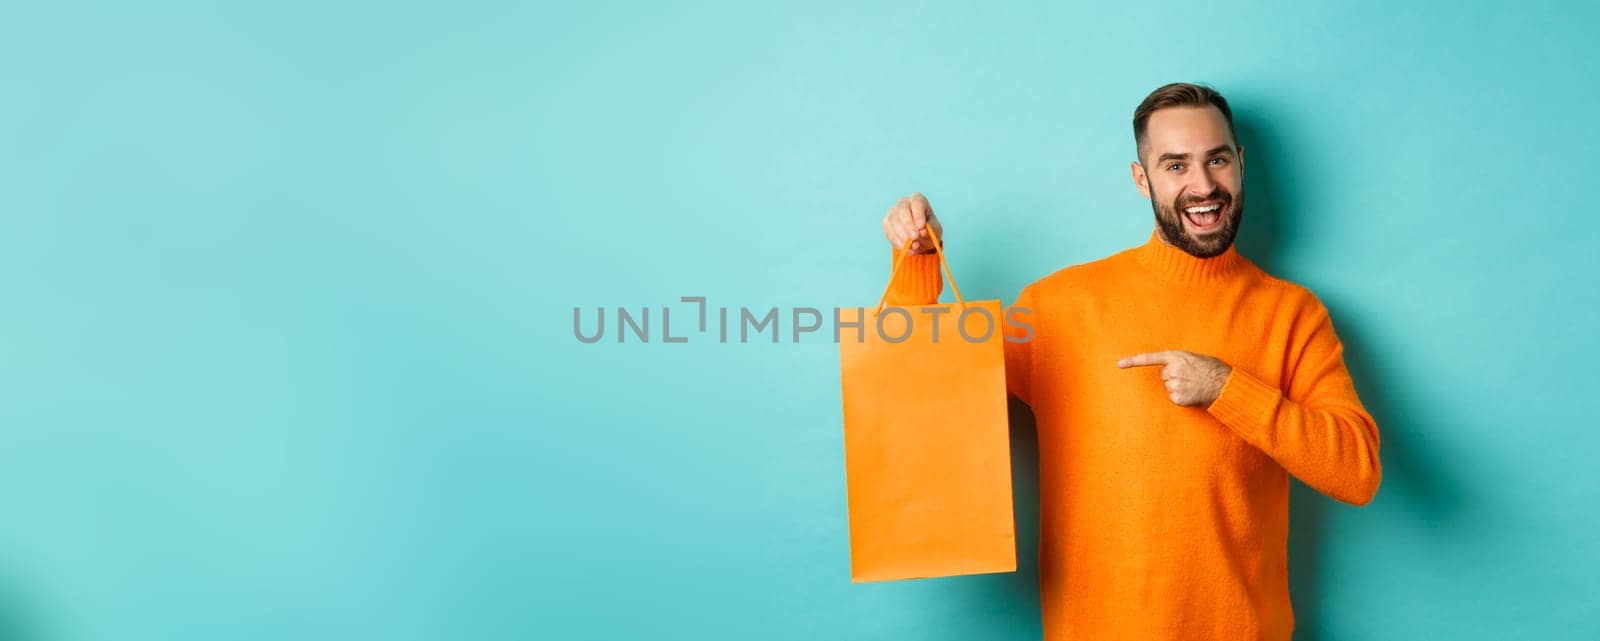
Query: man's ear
point(1241, 157)
point(1139, 179)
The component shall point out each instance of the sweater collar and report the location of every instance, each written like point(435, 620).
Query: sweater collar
point(1180, 266)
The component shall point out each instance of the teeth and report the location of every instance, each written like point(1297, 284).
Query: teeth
point(1201, 210)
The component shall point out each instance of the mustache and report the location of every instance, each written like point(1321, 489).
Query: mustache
point(1217, 195)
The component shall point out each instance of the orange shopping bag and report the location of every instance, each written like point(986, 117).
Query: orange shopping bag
point(927, 443)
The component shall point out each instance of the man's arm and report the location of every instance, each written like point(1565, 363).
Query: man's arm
point(919, 282)
point(1317, 429)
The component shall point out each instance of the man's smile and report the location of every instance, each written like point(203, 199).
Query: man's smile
point(1203, 218)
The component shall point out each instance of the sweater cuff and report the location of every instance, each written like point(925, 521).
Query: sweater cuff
point(918, 282)
point(1246, 404)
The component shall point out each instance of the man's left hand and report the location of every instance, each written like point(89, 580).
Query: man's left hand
point(1193, 380)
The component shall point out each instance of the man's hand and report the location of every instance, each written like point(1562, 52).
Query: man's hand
point(911, 217)
point(1193, 380)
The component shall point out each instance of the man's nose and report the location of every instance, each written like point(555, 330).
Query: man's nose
point(1202, 186)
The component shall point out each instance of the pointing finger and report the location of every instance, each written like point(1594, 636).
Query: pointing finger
point(1147, 358)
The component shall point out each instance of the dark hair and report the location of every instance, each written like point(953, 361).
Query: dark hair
point(1178, 94)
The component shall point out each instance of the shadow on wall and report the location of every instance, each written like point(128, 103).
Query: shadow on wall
point(1408, 475)
point(15, 623)
point(1024, 587)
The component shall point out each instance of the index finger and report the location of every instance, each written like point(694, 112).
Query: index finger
point(1147, 358)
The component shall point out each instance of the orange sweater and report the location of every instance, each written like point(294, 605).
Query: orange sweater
point(1166, 522)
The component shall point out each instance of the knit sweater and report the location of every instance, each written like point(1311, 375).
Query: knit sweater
point(1159, 521)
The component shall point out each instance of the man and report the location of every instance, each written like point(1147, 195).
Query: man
point(1176, 387)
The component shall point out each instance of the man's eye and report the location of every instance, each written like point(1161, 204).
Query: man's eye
point(1175, 166)
point(1219, 160)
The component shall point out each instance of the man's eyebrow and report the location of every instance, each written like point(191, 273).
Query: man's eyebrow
point(1177, 156)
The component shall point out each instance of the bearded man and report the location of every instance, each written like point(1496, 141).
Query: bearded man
point(1176, 386)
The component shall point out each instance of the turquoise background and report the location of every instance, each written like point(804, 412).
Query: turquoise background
point(287, 340)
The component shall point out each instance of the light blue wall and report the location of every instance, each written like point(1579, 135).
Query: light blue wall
point(288, 291)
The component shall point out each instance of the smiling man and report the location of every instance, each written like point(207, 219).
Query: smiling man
point(1176, 386)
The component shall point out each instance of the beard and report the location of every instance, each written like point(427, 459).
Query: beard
point(1169, 220)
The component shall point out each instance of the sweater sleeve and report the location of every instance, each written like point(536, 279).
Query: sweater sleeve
point(1317, 429)
point(918, 282)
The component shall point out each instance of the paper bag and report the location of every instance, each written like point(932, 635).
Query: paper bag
point(927, 442)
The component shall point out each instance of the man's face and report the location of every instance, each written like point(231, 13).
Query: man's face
point(1192, 171)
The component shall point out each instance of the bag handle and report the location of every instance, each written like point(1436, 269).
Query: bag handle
point(906, 251)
